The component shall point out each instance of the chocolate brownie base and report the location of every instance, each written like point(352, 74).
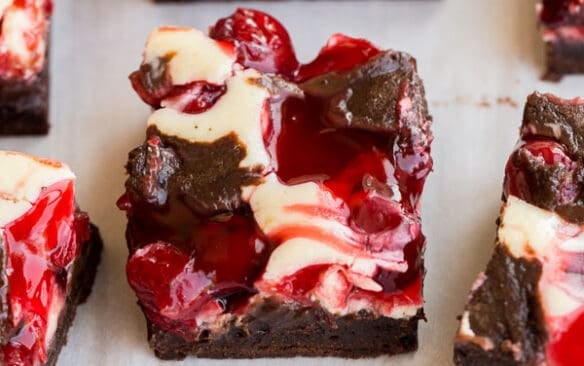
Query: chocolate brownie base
point(564, 58)
point(470, 354)
point(505, 315)
point(24, 105)
point(273, 329)
point(83, 277)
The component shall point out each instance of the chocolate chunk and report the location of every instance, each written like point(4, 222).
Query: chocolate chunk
point(209, 179)
point(548, 186)
point(554, 187)
point(506, 310)
point(150, 166)
point(385, 94)
point(548, 116)
point(152, 81)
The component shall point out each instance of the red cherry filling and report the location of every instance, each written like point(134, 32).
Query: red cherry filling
point(215, 244)
point(538, 158)
point(556, 10)
point(214, 271)
point(373, 213)
point(152, 81)
point(261, 41)
point(168, 285)
point(564, 348)
point(357, 166)
point(193, 98)
point(40, 246)
point(340, 53)
point(154, 85)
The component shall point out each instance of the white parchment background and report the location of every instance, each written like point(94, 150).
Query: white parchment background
point(470, 53)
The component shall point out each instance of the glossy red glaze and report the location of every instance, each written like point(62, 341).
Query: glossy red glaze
point(149, 93)
point(215, 244)
point(564, 349)
point(193, 98)
point(302, 282)
point(356, 165)
point(228, 253)
point(261, 41)
point(394, 282)
point(217, 267)
point(340, 53)
point(40, 246)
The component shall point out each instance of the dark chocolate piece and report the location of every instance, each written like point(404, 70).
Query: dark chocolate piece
point(24, 105)
point(85, 270)
point(369, 96)
point(206, 175)
point(554, 188)
point(548, 116)
point(273, 329)
point(564, 57)
point(506, 310)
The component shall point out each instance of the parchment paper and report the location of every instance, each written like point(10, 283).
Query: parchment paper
point(479, 60)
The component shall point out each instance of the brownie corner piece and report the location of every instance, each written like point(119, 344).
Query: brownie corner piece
point(526, 308)
point(562, 27)
point(273, 209)
point(49, 254)
point(24, 76)
point(24, 105)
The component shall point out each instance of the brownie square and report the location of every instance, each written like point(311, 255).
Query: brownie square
point(24, 75)
point(273, 210)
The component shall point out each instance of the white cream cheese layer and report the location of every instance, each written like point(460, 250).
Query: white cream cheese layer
point(4, 4)
point(240, 111)
point(23, 37)
point(24, 178)
point(313, 227)
point(533, 233)
point(193, 55)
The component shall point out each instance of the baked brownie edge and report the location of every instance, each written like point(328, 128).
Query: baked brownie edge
point(505, 315)
point(563, 58)
point(81, 284)
point(273, 329)
point(24, 104)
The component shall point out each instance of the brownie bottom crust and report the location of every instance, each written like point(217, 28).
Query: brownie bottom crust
point(24, 105)
point(564, 58)
point(273, 329)
point(470, 354)
point(84, 273)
